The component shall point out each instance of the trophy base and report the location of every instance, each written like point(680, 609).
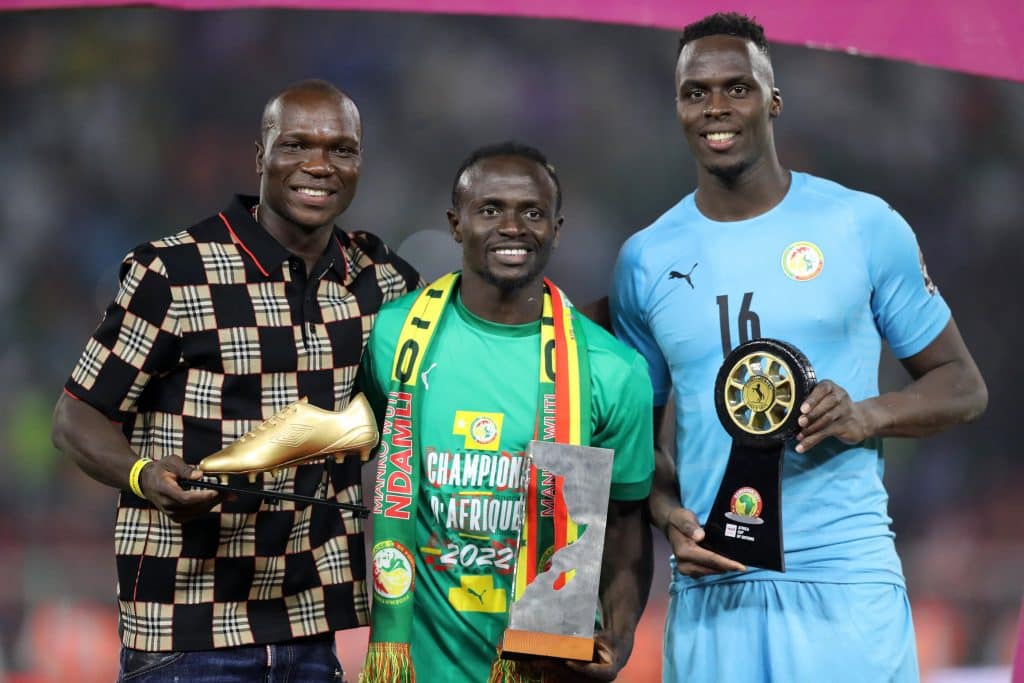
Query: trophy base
point(745, 523)
point(518, 644)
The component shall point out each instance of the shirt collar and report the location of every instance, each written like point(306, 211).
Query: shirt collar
point(266, 252)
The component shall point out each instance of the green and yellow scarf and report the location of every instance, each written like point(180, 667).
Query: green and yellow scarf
point(563, 416)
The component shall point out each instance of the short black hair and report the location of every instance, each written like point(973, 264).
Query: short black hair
point(509, 148)
point(725, 24)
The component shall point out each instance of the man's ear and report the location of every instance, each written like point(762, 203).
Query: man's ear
point(453, 224)
point(558, 229)
point(259, 158)
point(775, 108)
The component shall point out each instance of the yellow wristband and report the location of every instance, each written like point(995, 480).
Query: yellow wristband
point(133, 476)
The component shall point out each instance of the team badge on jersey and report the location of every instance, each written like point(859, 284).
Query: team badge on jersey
point(481, 430)
point(393, 569)
point(929, 285)
point(802, 261)
point(745, 506)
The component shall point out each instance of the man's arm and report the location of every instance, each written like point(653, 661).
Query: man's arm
point(680, 525)
point(101, 450)
point(626, 571)
point(947, 390)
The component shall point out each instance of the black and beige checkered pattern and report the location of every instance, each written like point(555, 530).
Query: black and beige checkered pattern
point(212, 331)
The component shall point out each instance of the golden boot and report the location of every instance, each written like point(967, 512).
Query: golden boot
point(299, 433)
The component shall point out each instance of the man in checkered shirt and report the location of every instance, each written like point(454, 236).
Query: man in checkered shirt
point(213, 330)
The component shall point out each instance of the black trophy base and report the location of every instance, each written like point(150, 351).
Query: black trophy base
point(745, 523)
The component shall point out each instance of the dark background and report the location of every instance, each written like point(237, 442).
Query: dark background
point(121, 125)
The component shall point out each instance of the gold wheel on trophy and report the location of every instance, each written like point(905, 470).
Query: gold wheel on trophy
point(759, 389)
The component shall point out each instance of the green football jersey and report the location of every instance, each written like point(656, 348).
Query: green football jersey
point(480, 388)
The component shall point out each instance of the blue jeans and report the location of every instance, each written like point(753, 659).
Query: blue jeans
point(311, 660)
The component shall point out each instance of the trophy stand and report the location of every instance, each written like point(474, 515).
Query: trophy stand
point(359, 510)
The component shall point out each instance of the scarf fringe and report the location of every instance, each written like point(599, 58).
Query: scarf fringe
point(388, 663)
point(511, 671)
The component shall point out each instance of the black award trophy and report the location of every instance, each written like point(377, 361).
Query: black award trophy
point(758, 394)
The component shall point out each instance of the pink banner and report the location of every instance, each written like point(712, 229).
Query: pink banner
point(978, 36)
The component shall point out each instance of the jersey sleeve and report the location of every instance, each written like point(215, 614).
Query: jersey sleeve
point(623, 400)
point(627, 302)
point(907, 307)
point(139, 337)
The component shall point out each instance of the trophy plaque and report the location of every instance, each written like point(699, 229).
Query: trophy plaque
point(758, 393)
point(555, 587)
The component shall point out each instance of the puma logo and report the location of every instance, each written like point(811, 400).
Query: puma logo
point(478, 596)
point(676, 275)
point(424, 374)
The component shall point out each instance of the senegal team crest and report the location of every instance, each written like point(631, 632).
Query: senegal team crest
point(745, 506)
point(393, 568)
point(802, 261)
point(482, 430)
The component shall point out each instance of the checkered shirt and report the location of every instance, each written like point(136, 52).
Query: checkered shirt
point(214, 330)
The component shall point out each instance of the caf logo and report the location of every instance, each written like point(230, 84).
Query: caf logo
point(745, 506)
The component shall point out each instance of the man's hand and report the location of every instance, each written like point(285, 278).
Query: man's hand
point(159, 482)
point(683, 534)
point(829, 411)
point(609, 658)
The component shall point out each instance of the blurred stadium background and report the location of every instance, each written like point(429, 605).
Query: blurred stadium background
point(121, 125)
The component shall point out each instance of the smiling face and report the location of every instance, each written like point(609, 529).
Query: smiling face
point(506, 219)
point(309, 159)
point(726, 102)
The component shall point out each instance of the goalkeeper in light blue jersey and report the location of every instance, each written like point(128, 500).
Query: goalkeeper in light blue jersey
point(761, 251)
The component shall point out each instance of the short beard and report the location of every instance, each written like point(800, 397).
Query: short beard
point(729, 175)
point(509, 285)
point(506, 285)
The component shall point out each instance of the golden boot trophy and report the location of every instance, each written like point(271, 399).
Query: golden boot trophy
point(299, 434)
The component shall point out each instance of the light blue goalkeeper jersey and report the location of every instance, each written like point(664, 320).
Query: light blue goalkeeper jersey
point(829, 270)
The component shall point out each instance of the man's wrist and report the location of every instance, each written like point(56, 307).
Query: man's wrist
point(135, 474)
point(877, 417)
point(661, 510)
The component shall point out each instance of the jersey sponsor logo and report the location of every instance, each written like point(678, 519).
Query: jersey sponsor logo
point(423, 376)
point(478, 594)
point(745, 506)
point(676, 275)
point(393, 569)
point(928, 284)
point(802, 261)
point(482, 431)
